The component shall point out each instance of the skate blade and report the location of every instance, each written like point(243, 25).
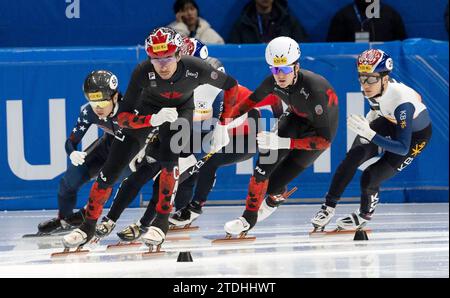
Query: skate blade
point(39, 235)
point(231, 240)
point(67, 253)
point(177, 238)
point(43, 241)
point(151, 254)
point(336, 232)
point(123, 245)
point(179, 229)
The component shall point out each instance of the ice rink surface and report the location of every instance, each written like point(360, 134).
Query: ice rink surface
point(407, 240)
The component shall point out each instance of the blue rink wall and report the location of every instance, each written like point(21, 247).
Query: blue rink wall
point(40, 94)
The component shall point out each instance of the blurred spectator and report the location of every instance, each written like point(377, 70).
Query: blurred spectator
point(353, 24)
point(189, 23)
point(263, 20)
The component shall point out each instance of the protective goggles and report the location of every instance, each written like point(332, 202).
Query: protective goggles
point(100, 103)
point(163, 61)
point(363, 79)
point(284, 69)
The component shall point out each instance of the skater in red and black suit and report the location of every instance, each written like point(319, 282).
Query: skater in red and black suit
point(304, 132)
point(160, 94)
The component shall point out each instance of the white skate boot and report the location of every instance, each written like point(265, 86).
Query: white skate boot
point(104, 228)
point(237, 226)
point(154, 237)
point(265, 211)
point(272, 202)
point(76, 239)
point(269, 205)
point(322, 218)
point(354, 221)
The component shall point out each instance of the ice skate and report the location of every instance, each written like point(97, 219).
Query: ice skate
point(129, 237)
point(354, 221)
point(104, 228)
point(271, 203)
point(322, 218)
point(154, 238)
point(58, 227)
point(77, 239)
point(345, 226)
point(51, 228)
point(239, 227)
point(183, 218)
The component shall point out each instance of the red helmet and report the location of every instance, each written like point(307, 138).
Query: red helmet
point(163, 42)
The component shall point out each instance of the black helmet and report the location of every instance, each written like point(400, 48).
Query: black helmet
point(100, 85)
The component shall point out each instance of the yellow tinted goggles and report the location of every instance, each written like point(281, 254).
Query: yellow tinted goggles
point(101, 103)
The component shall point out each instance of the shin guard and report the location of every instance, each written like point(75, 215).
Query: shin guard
point(168, 184)
point(97, 199)
point(256, 193)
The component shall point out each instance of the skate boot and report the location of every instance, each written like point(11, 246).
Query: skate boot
point(237, 227)
point(322, 218)
point(104, 228)
point(57, 226)
point(133, 232)
point(129, 236)
point(354, 221)
point(154, 236)
point(81, 235)
point(51, 226)
point(156, 233)
point(185, 216)
point(271, 203)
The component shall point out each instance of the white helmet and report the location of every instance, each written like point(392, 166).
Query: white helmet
point(282, 51)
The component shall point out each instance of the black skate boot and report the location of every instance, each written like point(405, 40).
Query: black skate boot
point(251, 217)
point(185, 216)
point(61, 226)
point(50, 226)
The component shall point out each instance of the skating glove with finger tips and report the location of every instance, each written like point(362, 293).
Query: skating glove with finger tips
point(360, 126)
point(220, 137)
point(164, 115)
point(270, 140)
point(77, 157)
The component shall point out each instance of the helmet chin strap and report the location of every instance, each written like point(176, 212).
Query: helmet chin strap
point(115, 106)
